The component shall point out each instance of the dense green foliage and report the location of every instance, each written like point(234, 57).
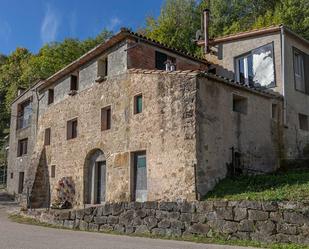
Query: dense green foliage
point(22, 68)
point(180, 19)
point(290, 185)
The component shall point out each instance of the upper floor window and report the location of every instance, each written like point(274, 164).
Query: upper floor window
point(138, 104)
point(72, 129)
point(256, 68)
point(165, 62)
point(102, 68)
point(22, 147)
point(50, 96)
point(24, 113)
point(74, 83)
point(299, 71)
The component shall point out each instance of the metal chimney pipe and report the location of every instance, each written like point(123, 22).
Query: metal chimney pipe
point(206, 30)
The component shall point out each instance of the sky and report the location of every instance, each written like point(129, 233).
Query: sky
point(32, 23)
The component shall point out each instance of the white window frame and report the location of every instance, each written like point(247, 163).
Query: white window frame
point(301, 75)
point(246, 68)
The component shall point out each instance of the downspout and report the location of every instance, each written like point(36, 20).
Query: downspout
point(283, 75)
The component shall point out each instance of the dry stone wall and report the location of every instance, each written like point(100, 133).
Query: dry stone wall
point(282, 222)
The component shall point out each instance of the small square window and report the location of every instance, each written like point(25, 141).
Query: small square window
point(50, 96)
point(74, 83)
point(72, 129)
point(138, 104)
point(106, 118)
point(47, 136)
point(303, 122)
point(22, 147)
point(53, 171)
point(240, 104)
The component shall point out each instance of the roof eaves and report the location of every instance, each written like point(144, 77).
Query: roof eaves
point(264, 92)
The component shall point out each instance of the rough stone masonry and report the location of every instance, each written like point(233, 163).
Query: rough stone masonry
point(282, 222)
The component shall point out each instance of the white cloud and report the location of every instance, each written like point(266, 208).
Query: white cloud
point(5, 31)
point(50, 24)
point(113, 23)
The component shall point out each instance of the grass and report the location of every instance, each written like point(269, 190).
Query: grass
point(196, 239)
point(292, 185)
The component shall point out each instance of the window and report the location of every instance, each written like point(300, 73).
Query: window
point(22, 147)
point(274, 111)
point(140, 177)
point(102, 68)
point(47, 136)
point(106, 118)
point(138, 104)
point(74, 83)
point(50, 96)
point(53, 171)
point(24, 113)
point(240, 104)
point(256, 68)
point(165, 62)
point(12, 175)
point(303, 122)
point(21, 182)
point(299, 71)
point(72, 129)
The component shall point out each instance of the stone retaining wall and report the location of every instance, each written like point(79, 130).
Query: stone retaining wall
point(260, 221)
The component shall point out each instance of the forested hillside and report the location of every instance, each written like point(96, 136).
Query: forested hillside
point(176, 26)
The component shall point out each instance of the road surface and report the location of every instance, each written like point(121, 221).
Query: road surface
point(22, 236)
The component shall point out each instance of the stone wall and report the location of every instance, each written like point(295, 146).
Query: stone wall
point(282, 222)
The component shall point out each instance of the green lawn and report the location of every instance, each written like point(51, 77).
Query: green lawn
point(290, 185)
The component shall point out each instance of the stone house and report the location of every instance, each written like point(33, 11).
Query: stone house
point(274, 58)
point(135, 120)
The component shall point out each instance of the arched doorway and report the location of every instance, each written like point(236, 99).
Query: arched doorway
point(95, 177)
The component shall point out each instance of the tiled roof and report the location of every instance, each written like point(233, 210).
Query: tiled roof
point(252, 33)
point(197, 73)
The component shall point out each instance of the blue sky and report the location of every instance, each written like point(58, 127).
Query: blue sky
point(31, 23)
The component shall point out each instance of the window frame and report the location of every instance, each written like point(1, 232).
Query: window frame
point(21, 113)
point(136, 97)
point(238, 97)
point(76, 76)
point(246, 54)
point(303, 54)
point(104, 61)
point(53, 171)
point(47, 136)
point(51, 96)
point(106, 123)
point(306, 117)
point(22, 147)
point(70, 131)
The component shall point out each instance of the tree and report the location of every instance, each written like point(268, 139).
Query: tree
point(177, 24)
